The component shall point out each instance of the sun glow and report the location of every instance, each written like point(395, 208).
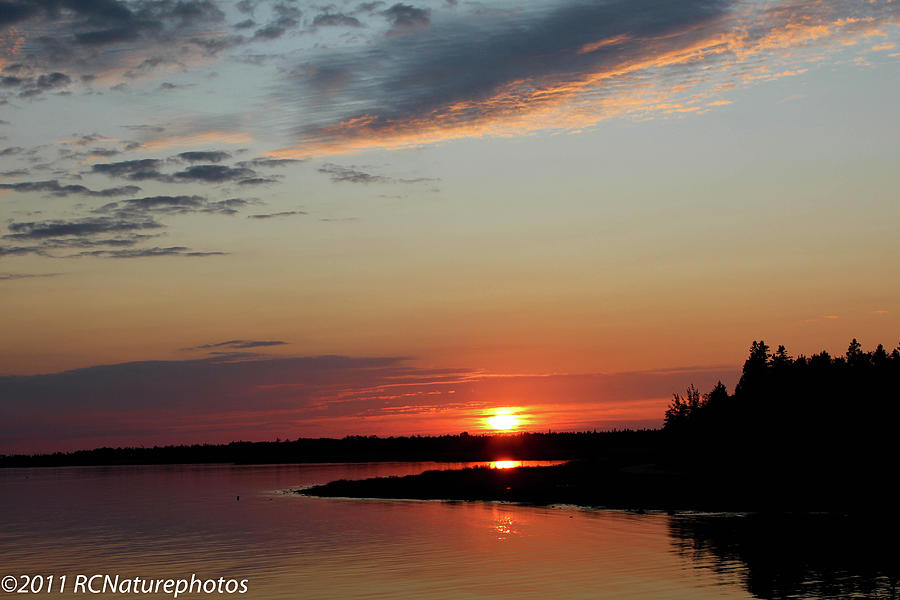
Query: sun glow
point(506, 464)
point(503, 422)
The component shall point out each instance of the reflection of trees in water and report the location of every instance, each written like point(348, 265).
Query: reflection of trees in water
point(797, 556)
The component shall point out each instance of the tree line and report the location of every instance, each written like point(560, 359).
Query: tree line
point(818, 410)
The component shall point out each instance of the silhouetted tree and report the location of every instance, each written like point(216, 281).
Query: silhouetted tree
point(683, 408)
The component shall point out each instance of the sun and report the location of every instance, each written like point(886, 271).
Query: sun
point(503, 422)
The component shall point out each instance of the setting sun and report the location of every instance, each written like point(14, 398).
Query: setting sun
point(505, 464)
point(503, 422)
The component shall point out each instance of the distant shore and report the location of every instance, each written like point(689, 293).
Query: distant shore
point(445, 448)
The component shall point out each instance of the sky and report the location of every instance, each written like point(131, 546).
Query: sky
point(278, 218)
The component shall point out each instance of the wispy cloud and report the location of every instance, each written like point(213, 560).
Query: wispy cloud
point(149, 252)
point(267, 163)
point(15, 276)
point(119, 235)
point(151, 169)
point(32, 230)
point(214, 173)
point(286, 213)
point(55, 188)
point(239, 344)
point(351, 175)
point(135, 170)
point(342, 174)
point(335, 20)
point(205, 156)
point(173, 205)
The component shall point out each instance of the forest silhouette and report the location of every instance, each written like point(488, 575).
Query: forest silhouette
point(839, 401)
point(820, 421)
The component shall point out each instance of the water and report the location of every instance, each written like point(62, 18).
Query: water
point(174, 521)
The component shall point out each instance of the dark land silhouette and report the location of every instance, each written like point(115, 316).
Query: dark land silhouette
point(447, 448)
point(798, 434)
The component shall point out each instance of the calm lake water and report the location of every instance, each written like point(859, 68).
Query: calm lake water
point(174, 521)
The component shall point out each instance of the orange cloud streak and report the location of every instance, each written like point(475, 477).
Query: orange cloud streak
point(635, 86)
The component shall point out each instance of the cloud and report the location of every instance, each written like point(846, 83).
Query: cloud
point(213, 156)
point(335, 20)
point(106, 236)
point(286, 17)
point(9, 81)
point(246, 6)
point(30, 87)
point(84, 140)
point(268, 162)
point(148, 252)
point(213, 173)
point(258, 180)
point(288, 213)
point(242, 396)
point(15, 276)
point(269, 32)
point(164, 204)
point(228, 206)
point(55, 188)
point(147, 66)
point(172, 205)
point(49, 81)
point(69, 46)
point(15, 12)
point(405, 18)
point(213, 46)
point(351, 175)
point(81, 227)
point(554, 67)
point(454, 73)
point(102, 22)
point(135, 170)
point(239, 344)
point(99, 153)
point(149, 169)
point(20, 250)
point(341, 174)
point(124, 240)
point(369, 7)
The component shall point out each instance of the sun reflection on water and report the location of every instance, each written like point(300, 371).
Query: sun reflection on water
point(504, 526)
